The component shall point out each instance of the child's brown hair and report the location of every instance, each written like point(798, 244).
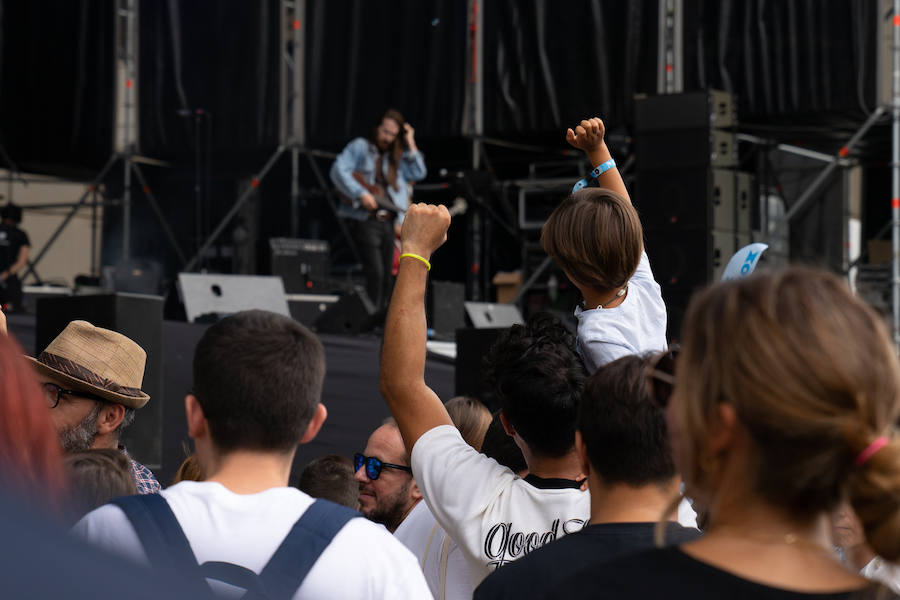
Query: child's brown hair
point(595, 236)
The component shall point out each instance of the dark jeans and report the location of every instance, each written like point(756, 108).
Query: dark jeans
point(375, 241)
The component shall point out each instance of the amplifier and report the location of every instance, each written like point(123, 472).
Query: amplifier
point(303, 265)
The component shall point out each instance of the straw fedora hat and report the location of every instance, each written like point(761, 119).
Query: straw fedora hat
point(97, 361)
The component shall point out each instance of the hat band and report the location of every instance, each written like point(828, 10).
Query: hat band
point(73, 369)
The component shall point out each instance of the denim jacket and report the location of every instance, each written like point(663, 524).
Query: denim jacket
point(360, 155)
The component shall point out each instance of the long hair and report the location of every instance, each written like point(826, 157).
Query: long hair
point(395, 150)
point(813, 378)
point(30, 453)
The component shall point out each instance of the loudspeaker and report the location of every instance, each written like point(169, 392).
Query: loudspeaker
point(689, 198)
point(446, 307)
point(136, 316)
point(691, 110)
point(303, 265)
point(688, 257)
point(307, 308)
point(220, 295)
point(472, 344)
point(685, 149)
point(353, 313)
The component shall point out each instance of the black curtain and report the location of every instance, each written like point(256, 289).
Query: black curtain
point(221, 57)
point(549, 64)
point(364, 56)
point(784, 57)
point(56, 95)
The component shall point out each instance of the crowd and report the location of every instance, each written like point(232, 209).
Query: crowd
point(758, 460)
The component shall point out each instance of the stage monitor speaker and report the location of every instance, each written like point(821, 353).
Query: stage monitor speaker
point(136, 316)
point(353, 313)
point(484, 315)
point(216, 296)
point(303, 265)
point(472, 345)
point(307, 308)
point(446, 303)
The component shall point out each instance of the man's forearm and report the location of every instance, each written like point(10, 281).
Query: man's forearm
point(415, 407)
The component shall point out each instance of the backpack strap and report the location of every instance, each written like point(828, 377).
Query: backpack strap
point(158, 530)
point(162, 538)
point(301, 548)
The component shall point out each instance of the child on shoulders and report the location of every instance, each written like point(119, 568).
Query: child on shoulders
point(595, 237)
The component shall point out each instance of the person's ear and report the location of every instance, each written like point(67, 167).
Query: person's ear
point(315, 424)
point(722, 432)
point(414, 491)
point(507, 426)
point(581, 449)
point(198, 427)
point(110, 417)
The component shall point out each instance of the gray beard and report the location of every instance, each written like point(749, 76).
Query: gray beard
point(81, 436)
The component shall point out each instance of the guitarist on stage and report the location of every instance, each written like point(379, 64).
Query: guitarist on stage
point(373, 173)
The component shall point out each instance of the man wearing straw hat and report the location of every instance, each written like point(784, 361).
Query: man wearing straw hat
point(92, 379)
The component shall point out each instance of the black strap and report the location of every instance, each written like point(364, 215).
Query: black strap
point(158, 529)
point(302, 547)
point(162, 538)
point(235, 575)
point(167, 547)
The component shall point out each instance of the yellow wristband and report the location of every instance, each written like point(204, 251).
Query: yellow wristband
point(417, 257)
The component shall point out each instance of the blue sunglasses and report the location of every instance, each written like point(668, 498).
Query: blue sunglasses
point(374, 466)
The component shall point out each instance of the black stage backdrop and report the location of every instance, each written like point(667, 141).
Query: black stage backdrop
point(364, 56)
point(545, 65)
point(549, 64)
point(56, 90)
point(221, 57)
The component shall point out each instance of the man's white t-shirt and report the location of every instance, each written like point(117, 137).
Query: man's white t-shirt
point(494, 515)
point(362, 561)
point(636, 326)
point(443, 563)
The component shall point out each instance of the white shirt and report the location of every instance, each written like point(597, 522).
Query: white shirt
point(439, 556)
point(494, 516)
point(362, 561)
point(884, 572)
point(636, 326)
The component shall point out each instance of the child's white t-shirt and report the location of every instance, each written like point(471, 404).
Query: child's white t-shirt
point(636, 326)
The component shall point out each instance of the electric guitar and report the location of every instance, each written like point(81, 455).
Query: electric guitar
point(346, 209)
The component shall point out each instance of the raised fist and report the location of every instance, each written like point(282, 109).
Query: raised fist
point(424, 229)
point(588, 135)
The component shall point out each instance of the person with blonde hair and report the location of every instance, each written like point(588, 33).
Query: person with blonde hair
point(786, 395)
point(471, 417)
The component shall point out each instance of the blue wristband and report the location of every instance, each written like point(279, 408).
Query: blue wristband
point(597, 172)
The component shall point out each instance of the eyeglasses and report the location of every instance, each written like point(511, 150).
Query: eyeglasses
point(53, 394)
point(661, 373)
point(374, 466)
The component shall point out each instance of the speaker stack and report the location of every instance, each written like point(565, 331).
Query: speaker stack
point(695, 205)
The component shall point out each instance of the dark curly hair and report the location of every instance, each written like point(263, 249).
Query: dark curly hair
point(538, 377)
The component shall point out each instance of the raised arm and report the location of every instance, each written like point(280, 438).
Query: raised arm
point(414, 405)
point(588, 136)
point(412, 162)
